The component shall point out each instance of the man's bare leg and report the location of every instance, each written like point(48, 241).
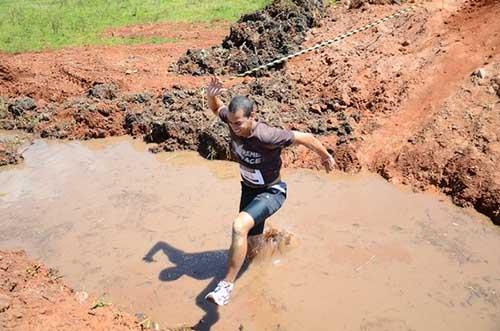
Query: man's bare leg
point(239, 245)
point(237, 253)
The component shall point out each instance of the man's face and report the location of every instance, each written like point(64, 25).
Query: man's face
point(241, 125)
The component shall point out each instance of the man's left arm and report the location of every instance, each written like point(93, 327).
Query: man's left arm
point(309, 141)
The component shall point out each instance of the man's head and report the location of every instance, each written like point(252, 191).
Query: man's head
point(241, 116)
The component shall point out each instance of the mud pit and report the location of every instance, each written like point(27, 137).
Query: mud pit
point(400, 100)
point(415, 100)
point(138, 229)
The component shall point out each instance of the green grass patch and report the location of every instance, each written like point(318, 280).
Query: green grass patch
point(154, 40)
point(50, 24)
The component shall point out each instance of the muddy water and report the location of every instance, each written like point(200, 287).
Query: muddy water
point(368, 255)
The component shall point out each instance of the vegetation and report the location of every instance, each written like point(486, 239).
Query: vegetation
point(39, 24)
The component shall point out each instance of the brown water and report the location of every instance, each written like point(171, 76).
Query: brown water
point(369, 255)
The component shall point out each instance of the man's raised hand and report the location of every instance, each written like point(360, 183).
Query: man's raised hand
point(215, 87)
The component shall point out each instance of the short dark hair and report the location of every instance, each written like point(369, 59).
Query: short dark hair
point(243, 103)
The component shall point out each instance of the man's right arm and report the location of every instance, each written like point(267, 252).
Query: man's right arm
point(214, 89)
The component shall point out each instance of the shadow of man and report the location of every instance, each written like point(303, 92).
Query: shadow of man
point(200, 266)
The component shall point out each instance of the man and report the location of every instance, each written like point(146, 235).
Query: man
point(257, 148)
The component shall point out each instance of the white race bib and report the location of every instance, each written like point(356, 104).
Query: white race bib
point(253, 176)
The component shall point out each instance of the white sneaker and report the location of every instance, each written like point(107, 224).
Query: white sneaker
point(220, 296)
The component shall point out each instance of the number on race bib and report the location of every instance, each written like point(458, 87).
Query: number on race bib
point(253, 176)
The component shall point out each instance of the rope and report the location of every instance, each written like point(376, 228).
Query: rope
point(331, 41)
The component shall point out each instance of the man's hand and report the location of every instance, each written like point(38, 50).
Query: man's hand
point(328, 162)
point(215, 87)
point(148, 259)
point(315, 145)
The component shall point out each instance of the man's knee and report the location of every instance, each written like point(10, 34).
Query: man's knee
point(242, 224)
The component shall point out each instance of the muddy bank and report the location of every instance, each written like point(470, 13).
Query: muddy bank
point(424, 118)
point(176, 119)
point(33, 296)
point(458, 149)
point(257, 38)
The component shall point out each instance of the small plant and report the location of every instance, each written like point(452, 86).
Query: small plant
point(100, 303)
point(212, 152)
point(33, 270)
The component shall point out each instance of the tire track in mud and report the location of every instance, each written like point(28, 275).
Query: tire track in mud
point(75, 78)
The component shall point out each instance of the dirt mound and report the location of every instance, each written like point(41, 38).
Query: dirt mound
point(33, 296)
point(256, 39)
point(176, 119)
point(458, 149)
point(187, 124)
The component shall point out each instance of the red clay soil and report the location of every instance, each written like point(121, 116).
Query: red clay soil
point(34, 297)
point(424, 118)
point(57, 75)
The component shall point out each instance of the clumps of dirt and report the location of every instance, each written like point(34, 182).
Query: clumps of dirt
point(11, 145)
point(495, 85)
point(183, 120)
point(6, 74)
point(100, 113)
point(346, 158)
point(16, 114)
point(256, 39)
point(9, 155)
point(469, 179)
point(176, 119)
point(33, 296)
point(103, 91)
point(22, 105)
point(355, 4)
point(187, 124)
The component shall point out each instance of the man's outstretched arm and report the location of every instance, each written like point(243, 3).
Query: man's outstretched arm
point(308, 140)
point(214, 89)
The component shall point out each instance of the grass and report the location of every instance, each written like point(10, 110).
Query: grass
point(51, 24)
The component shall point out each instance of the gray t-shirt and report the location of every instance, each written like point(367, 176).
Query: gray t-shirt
point(259, 155)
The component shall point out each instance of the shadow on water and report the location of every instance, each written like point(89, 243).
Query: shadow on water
point(200, 266)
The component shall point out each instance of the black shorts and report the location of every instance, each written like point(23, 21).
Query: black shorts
point(261, 203)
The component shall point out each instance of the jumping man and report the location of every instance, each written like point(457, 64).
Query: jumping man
point(257, 148)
